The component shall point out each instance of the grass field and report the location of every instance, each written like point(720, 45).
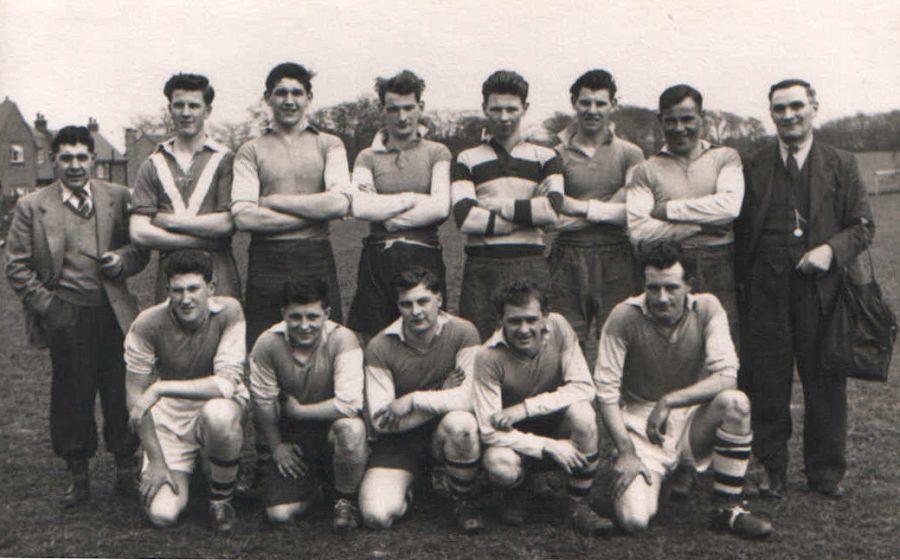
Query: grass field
point(864, 525)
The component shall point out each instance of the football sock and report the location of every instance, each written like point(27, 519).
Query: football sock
point(579, 483)
point(347, 476)
point(731, 455)
point(222, 475)
point(461, 477)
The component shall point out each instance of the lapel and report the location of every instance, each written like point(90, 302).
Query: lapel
point(103, 208)
point(53, 224)
point(762, 177)
point(819, 179)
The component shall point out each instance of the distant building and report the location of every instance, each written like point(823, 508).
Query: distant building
point(25, 153)
point(138, 147)
point(880, 171)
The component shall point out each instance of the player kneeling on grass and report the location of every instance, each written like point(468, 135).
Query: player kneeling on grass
point(306, 378)
point(418, 389)
point(666, 376)
point(185, 357)
point(533, 399)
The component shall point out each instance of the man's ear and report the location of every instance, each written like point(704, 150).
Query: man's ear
point(327, 313)
point(440, 300)
point(525, 107)
point(212, 287)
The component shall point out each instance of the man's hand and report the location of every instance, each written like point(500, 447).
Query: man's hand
point(454, 379)
point(816, 260)
point(153, 478)
point(656, 423)
point(627, 467)
point(111, 264)
point(574, 207)
point(140, 408)
point(508, 417)
point(389, 417)
point(659, 211)
point(288, 457)
point(492, 204)
point(163, 220)
point(53, 317)
point(566, 455)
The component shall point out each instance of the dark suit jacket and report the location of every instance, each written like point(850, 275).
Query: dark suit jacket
point(36, 246)
point(839, 212)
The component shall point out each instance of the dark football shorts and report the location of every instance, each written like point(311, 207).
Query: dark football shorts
point(409, 451)
point(312, 436)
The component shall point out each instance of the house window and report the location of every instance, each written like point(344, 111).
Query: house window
point(102, 172)
point(41, 156)
point(16, 153)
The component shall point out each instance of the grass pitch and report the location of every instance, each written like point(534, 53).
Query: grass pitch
point(863, 525)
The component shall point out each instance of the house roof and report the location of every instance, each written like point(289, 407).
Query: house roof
point(7, 108)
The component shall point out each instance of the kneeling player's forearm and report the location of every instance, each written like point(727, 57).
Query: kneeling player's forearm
point(323, 410)
point(615, 427)
point(149, 441)
point(266, 413)
point(205, 388)
point(701, 391)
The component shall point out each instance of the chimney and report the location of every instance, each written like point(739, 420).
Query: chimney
point(92, 125)
point(40, 123)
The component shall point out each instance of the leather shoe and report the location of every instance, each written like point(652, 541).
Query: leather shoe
point(827, 488)
point(773, 485)
point(78, 492)
point(738, 521)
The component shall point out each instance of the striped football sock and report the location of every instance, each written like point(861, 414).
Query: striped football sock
point(731, 455)
point(461, 477)
point(223, 473)
point(579, 483)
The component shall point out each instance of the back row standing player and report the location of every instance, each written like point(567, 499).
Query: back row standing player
point(402, 186)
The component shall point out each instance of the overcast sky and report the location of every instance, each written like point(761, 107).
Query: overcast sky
point(110, 58)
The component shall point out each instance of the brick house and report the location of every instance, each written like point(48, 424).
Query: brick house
point(18, 152)
point(110, 164)
point(138, 147)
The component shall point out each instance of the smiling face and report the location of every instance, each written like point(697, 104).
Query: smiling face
point(666, 292)
point(305, 322)
point(523, 326)
point(188, 111)
point(400, 114)
point(419, 308)
point(189, 297)
point(288, 101)
point(72, 164)
point(593, 109)
point(681, 124)
point(793, 113)
point(504, 112)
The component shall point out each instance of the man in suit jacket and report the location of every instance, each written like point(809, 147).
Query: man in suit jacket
point(68, 256)
point(805, 217)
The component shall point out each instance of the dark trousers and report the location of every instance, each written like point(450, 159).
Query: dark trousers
point(782, 324)
point(714, 274)
point(374, 306)
point(86, 355)
point(271, 264)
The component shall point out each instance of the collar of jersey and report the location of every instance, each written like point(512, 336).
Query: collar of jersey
point(396, 328)
point(379, 143)
point(282, 329)
point(168, 146)
point(640, 301)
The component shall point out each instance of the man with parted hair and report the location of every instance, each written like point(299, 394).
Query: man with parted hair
point(690, 191)
point(805, 220)
point(666, 378)
point(401, 185)
point(288, 184)
point(306, 379)
point(182, 193)
point(591, 264)
point(185, 359)
point(533, 401)
point(67, 258)
point(503, 192)
point(419, 399)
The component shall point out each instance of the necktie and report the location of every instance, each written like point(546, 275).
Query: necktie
point(792, 167)
point(81, 203)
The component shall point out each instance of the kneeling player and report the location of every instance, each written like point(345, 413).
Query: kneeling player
point(195, 402)
point(418, 388)
point(666, 375)
point(306, 378)
point(533, 395)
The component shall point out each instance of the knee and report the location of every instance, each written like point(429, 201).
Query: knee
point(163, 513)
point(282, 514)
point(461, 429)
point(503, 469)
point(633, 518)
point(222, 416)
point(582, 420)
point(377, 519)
point(734, 404)
point(349, 435)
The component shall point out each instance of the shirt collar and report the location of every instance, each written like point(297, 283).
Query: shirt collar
point(396, 328)
point(301, 126)
point(705, 146)
point(208, 144)
point(379, 143)
point(801, 154)
point(499, 338)
point(214, 305)
point(282, 329)
point(67, 192)
point(568, 134)
point(640, 301)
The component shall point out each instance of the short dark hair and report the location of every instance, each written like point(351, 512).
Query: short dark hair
point(505, 82)
point(290, 70)
point(791, 82)
point(411, 277)
point(71, 135)
point(304, 291)
point(404, 83)
point(519, 292)
point(189, 261)
point(678, 93)
point(594, 80)
point(190, 82)
point(662, 255)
